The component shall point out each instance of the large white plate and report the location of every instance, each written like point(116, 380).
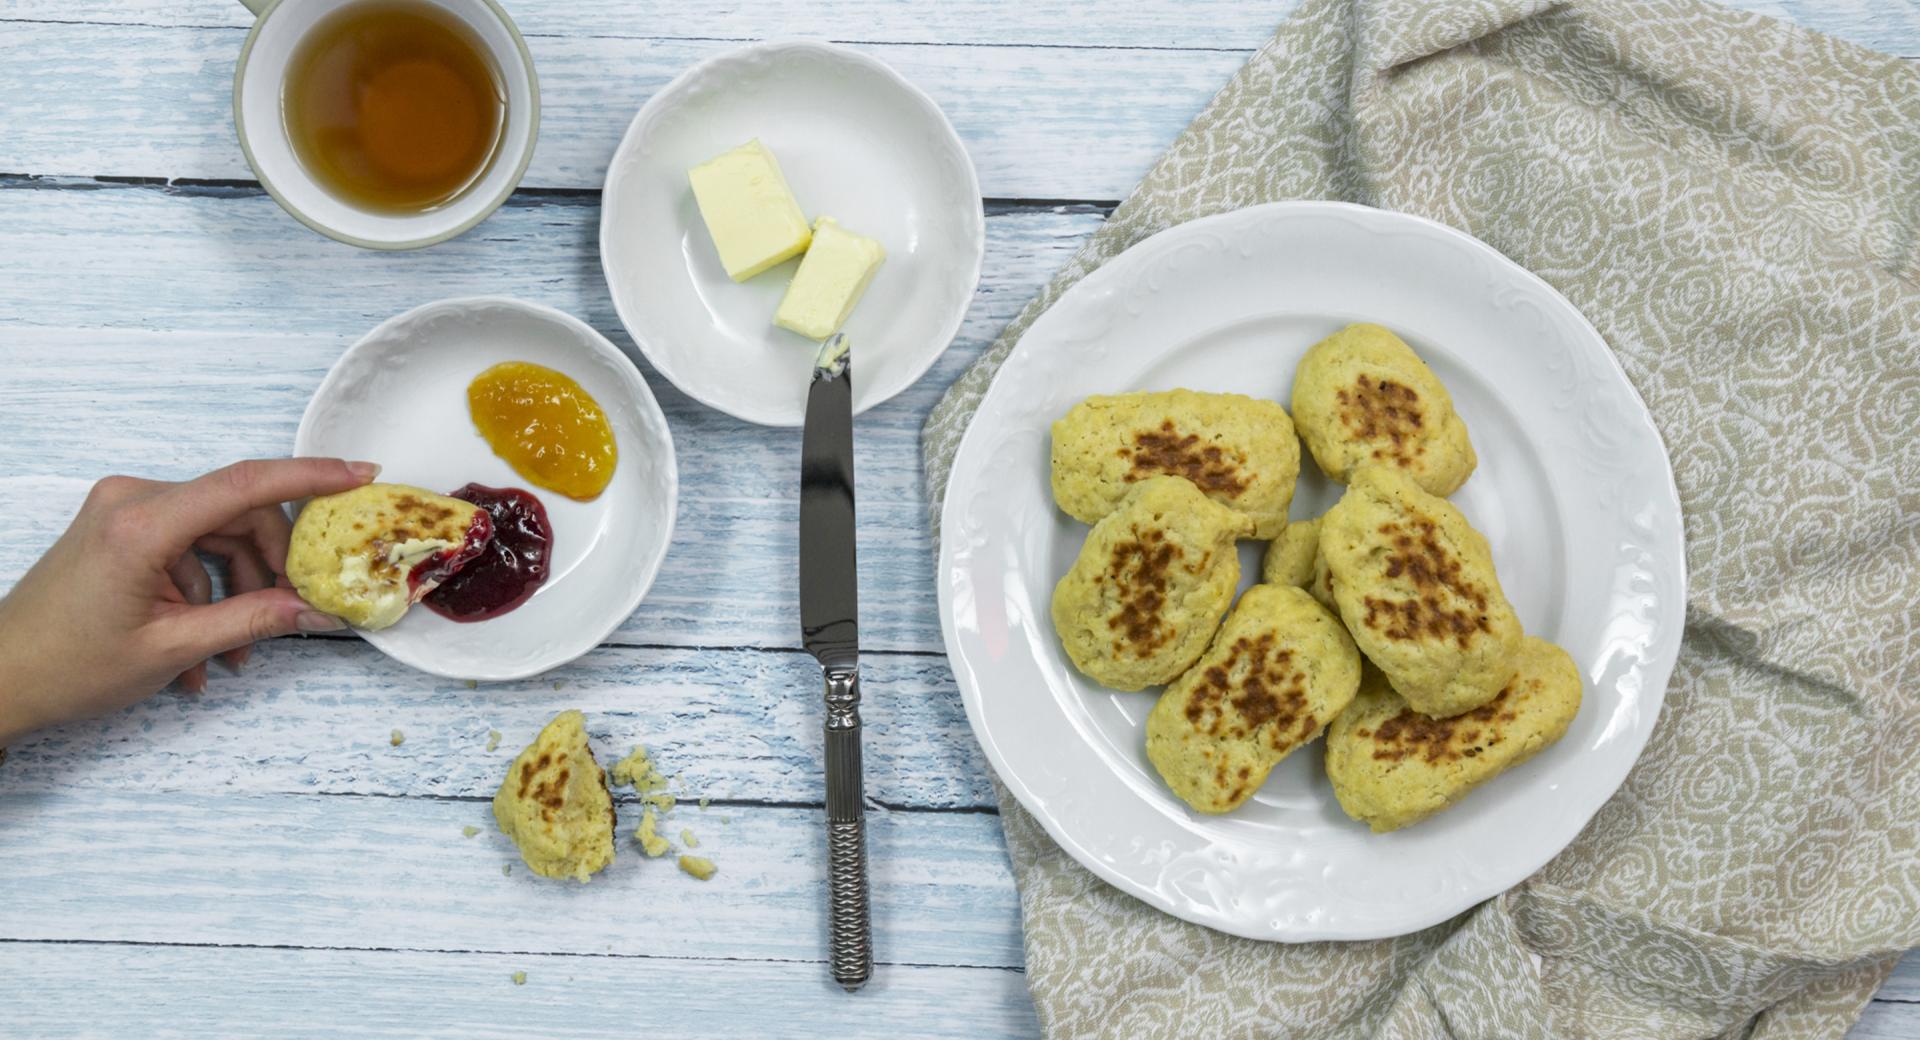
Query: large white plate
point(1574, 491)
point(857, 142)
point(398, 397)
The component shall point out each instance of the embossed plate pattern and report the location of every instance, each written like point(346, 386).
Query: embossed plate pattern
point(1574, 492)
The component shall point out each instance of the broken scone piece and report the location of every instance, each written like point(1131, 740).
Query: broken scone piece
point(368, 554)
point(555, 805)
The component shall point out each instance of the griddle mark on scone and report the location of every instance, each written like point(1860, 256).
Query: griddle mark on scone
point(1167, 450)
point(1438, 580)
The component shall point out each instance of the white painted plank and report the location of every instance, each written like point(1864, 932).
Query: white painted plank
point(1885, 1020)
point(1893, 27)
point(313, 716)
point(82, 254)
point(57, 991)
point(1160, 24)
point(1904, 983)
point(1040, 122)
point(396, 873)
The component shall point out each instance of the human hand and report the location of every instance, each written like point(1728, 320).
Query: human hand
point(120, 605)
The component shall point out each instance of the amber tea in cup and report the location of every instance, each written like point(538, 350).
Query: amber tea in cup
point(393, 105)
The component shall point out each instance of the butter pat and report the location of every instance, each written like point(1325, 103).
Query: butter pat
point(834, 273)
point(749, 210)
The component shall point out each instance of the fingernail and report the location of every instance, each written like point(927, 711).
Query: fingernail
point(315, 621)
point(364, 470)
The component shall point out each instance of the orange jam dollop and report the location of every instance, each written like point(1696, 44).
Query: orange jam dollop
point(549, 430)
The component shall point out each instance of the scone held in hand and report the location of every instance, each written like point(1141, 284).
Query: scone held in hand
point(368, 554)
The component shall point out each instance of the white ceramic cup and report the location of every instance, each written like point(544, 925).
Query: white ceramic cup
point(279, 27)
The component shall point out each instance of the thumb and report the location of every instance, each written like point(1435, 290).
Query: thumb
point(201, 632)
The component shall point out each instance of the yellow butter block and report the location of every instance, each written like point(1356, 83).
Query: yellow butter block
point(832, 275)
point(749, 210)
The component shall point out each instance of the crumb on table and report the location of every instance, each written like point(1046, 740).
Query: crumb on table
point(687, 839)
point(473, 684)
point(698, 866)
point(397, 738)
point(506, 869)
point(648, 836)
point(493, 739)
point(469, 830)
point(519, 978)
point(704, 800)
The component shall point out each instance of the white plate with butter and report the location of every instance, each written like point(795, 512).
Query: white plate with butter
point(857, 143)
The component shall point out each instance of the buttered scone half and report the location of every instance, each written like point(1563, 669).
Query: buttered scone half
point(1415, 585)
point(1150, 584)
point(1392, 766)
point(1241, 452)
point(1363, 396)
point(1278, 672)
point(555, 804)
point(1294, 559)
point(368, 554)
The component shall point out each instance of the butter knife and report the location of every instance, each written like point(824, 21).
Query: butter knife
point(830, 630)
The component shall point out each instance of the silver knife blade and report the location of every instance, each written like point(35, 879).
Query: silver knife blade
point(829, 594)
point(830, 630)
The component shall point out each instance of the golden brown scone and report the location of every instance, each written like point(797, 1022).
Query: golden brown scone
point(1362, 395)
point(1240, 451)
point(1294, 559)
point(1415, 585)
point(1278, 672)
point(1392, 766)
point(555, 805)
point(368, 554)
point(1149, 585)
point(1289, 558)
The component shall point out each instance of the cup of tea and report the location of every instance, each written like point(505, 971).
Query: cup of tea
point(388, 124)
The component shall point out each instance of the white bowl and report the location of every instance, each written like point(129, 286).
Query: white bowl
point(398, 397)
point(857, 143)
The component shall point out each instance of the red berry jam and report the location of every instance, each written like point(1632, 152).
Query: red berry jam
point(513, 564)
point(448, 562)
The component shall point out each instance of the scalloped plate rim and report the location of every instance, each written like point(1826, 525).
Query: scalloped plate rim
point(1662, 648)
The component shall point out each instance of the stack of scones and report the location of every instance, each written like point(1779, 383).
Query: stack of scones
point(1381, 624)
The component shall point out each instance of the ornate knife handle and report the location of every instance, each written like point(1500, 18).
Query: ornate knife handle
point(850, 932)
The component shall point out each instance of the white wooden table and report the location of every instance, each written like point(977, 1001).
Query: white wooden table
point(261, 861)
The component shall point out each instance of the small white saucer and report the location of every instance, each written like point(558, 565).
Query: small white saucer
point(858, 143)
point(399, 398)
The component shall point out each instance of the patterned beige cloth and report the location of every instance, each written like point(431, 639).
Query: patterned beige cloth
point(1734, 202)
